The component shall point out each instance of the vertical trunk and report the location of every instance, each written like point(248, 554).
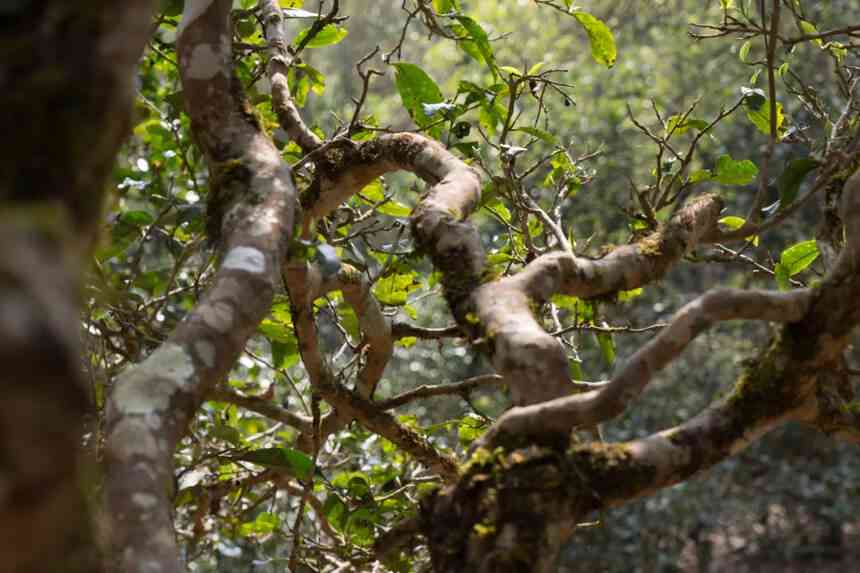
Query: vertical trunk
point(66, 72)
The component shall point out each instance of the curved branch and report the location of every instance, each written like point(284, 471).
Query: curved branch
point(593, 407)
point(152, 403)
point(533, 361)
point(498, 314)
point(303, 283)
point(375, 328)
point(797, 377)
point(404, 330)
point(279, 65)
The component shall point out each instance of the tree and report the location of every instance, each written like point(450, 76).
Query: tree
point(77, 63)
point(317, 275)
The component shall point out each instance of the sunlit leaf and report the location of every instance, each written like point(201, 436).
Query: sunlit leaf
point(731, 172)
point(540, 134)
point(296, 462)
point(602, 42)
point(329, 35)
point(799, 256)
point(416, 88)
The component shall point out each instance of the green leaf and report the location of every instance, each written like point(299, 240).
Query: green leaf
point(792, 177)
point(137, 218)
point(535, 69)
point(335, 511)
point(539, 133)
point(677, 125)
point(627, 295)
point(799, 256)
point(264, 524)
point(394, 289)
point(296, 462)
point(276, 331)
point(394, 209)
point(607, 346)
point(359, 526)
point(734, 223)
point(470, 429)
point(758, 112)
point(416, 88)
point(446, 6)
point(329, 35)
point(602, 43)
point(227, 433)
point(731, 172)
point(284, 354)
point(701, 175)
point(511, 70)
point(809, 29)
point(171, 8)
point(481, 42)
point(744, 52)
point(246, 27)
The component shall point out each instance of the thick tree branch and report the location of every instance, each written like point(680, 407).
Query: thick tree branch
point(498, 314)
point(797, 377)
point(279, 66)
point(252, 198)
point(532, 361)
point(66, 92)
point(590, 408)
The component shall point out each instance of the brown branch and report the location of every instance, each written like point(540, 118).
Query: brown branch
point(462, 388)
point(404, 330)
point(499, 313)
point(590, 408)
point(279, 65)
point(67, 99)
point(378, 343)
point(303, 282)
point(846, 31)
point(534, 362)
point(262, 406)
point(151, 404)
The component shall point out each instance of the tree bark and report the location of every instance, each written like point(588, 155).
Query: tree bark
point(66, 71)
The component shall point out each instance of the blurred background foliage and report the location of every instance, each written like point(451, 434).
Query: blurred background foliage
point(789, 503)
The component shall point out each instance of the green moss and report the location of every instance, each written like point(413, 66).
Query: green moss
point(350, 274)
point(484, 530)
point(651, 246)
point(761, 391)
point(852, 408)
point(481, 459)
point(610, 470)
